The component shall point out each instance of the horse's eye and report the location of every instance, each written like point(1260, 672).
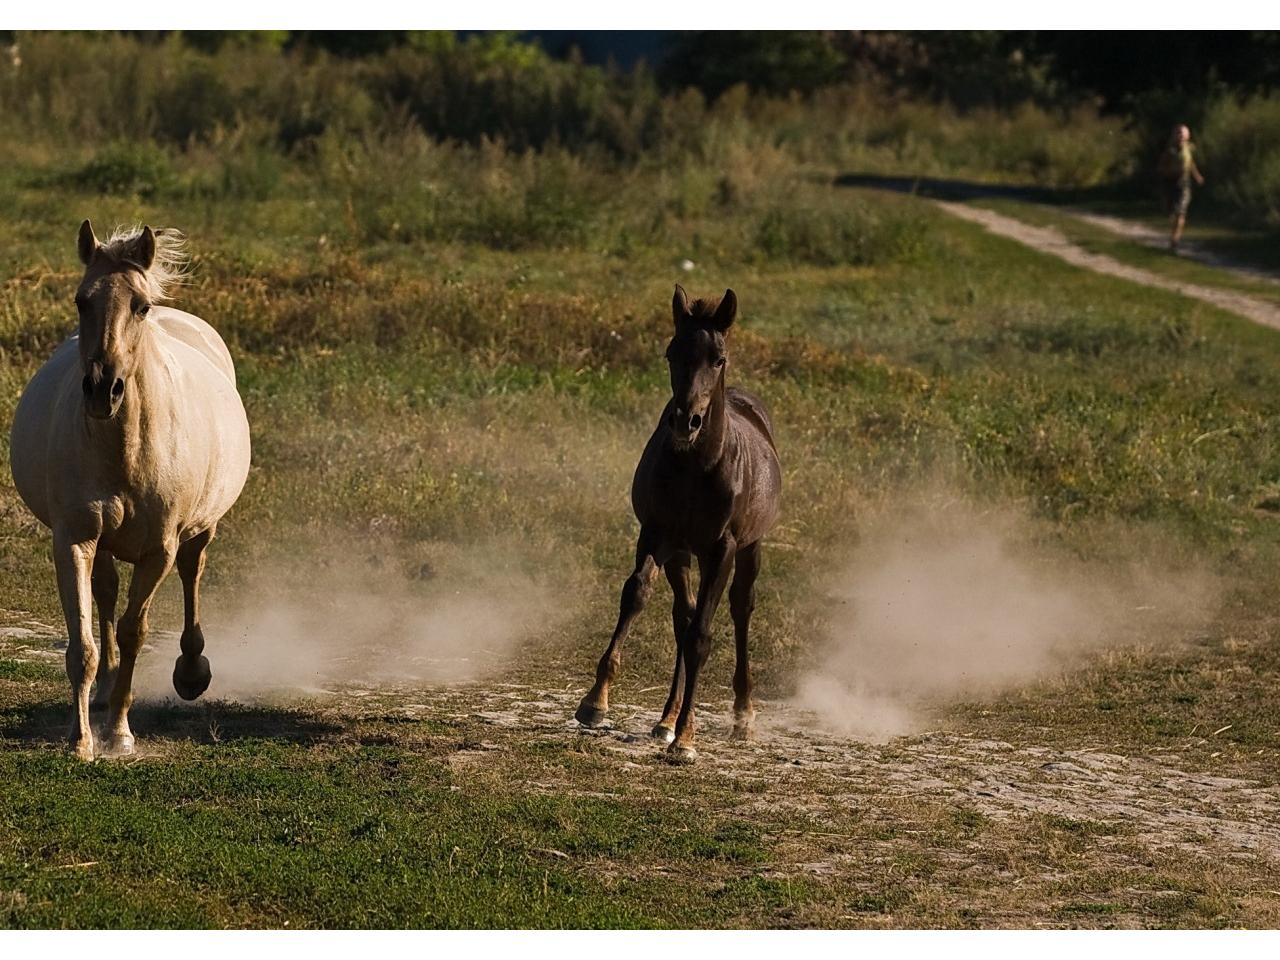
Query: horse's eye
point(142, 309)
point(720, 361)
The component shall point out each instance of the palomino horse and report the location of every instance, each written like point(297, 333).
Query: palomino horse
point(130, 443)
point(708, 485)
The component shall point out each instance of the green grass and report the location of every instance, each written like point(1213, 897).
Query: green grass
point(417, 395)
point(1249, 248)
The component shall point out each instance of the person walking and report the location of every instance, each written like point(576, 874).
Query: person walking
point(1177, 168)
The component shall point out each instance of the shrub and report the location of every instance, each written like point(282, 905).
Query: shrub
point(1241, 158)
point(127, 167)
point(851, 234)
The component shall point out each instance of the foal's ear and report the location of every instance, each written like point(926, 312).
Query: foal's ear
point(86, 243)
point(143, 250)
point(726, 313)
point(680, 305)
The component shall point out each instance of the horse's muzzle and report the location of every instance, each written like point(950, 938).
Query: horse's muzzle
point(685, 426)
point(103, 392)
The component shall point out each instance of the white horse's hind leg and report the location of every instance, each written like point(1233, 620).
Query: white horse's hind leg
point(147, 575)
point(191, 673)
point(73, 562)
point(106, 588)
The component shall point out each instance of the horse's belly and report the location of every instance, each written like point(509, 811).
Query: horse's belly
point(33, 423)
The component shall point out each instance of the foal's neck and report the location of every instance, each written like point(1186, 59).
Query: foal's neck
point(715, 434)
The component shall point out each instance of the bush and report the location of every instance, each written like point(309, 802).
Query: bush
point(855, 235)
point(129, 168)
point(1241, 158)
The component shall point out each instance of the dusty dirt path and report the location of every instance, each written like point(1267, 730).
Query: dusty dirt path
point(1051, 241)
point(798, 766)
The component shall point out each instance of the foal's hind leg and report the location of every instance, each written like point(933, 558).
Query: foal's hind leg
point(742, 600)
point(191, 673)
point(677, 570)
point(635, 592)
point(106, 588)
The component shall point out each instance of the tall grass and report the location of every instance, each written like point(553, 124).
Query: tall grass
point(1242, 156)
point(153, 117)
point(67, 96)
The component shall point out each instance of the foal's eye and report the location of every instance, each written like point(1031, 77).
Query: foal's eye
point(720, 361)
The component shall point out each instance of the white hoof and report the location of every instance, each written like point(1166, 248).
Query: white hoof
point(122, 746)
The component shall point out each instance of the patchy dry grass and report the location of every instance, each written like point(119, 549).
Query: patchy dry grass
point(411, 398)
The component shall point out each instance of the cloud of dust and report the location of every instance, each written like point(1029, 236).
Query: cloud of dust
point(362, 624)
point(938, 606)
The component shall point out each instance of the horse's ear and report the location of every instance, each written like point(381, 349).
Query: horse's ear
point(680, 305)
point(143, 250)
point(86, 243)
point(726, 313)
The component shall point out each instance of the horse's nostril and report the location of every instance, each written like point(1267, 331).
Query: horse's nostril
point(695, 422)
point(117, 389)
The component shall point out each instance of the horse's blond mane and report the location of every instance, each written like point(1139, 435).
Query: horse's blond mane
point(168, 269)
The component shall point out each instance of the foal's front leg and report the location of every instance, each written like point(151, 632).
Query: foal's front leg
point(594, 706)
point(682, 607)
point(714, 567)
point(73, 562)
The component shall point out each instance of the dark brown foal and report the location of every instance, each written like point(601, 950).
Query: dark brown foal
point(707, 486)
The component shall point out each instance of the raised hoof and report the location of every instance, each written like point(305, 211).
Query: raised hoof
point(190, 679)
point(589, 715)
point(677, 753)
point(663, 734)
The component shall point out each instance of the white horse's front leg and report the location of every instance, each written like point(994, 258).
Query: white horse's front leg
point(147, 575)
point(73, 561)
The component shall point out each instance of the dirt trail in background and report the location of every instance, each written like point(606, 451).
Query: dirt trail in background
point(1159, 239)
point(1051, 241)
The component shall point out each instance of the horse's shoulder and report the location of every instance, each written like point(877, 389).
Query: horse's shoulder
point(189, 330)
point(749, 406)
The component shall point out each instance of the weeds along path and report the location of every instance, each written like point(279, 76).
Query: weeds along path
point(1051, 241)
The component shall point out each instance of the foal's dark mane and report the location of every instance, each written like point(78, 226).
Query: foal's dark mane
point(701, 312)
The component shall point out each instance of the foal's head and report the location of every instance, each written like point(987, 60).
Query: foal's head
point(698, 360)
point(123, 278)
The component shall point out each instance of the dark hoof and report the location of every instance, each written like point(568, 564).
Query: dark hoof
point(681, 755)
point(663, 734)
point(589, 715)
point(191, 677)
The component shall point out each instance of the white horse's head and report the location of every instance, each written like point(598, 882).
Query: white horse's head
point(136, 268)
